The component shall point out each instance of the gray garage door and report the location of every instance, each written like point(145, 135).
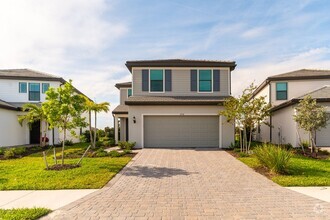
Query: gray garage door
point(323, 136)
point(181, 131)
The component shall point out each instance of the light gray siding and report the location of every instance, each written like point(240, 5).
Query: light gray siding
point(123, 95)
point(181, 131)
point(181, 84)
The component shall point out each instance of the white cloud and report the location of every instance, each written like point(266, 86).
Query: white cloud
point(257, 72)
point(254, 32)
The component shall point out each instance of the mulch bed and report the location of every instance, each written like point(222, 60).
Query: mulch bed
point(59, 167)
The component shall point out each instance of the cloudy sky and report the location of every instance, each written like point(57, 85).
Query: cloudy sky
point(89, 41)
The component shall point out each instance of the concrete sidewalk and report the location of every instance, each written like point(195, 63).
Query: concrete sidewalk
point(321, 192)
point(52, 199)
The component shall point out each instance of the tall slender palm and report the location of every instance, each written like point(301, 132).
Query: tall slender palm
point(34, 113)
point(96, 108)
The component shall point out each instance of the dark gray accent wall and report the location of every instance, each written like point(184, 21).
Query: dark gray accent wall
point(168, 80)
point(216, 80)
point(145, 80)
point(193, 80)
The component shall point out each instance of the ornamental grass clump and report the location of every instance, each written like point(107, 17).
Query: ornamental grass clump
point(275, 158)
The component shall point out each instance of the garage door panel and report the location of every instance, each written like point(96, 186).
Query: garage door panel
point(181, 131)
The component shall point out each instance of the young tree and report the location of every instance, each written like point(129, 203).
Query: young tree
point(96, 108)
point(246, 112)
point(63, 108)
point(34, 114)
point(311, 117)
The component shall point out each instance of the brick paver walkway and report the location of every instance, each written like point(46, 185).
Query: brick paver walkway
point(192, 184)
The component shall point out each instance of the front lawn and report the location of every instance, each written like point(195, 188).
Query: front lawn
point(28, 173)
point(303, 171)
point(23, 214)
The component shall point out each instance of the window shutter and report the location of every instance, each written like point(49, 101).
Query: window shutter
point(193, 80)
point(216, 80)
point(168, 80)
point(145, 80)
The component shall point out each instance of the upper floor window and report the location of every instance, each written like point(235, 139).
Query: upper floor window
point(22, 87)
point(281, 91)
point(205, 80)
point(129, 92)
point(34, 91)
point(45, 87)
point(156, 80)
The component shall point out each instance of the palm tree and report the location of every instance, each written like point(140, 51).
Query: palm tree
point(34, 114)
point(96, 108)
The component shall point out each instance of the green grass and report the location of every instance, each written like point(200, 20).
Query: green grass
point(28, 173)
point(23, 214)
point(302, 171)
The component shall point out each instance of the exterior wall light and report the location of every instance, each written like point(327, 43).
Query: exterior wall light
point(134, 119)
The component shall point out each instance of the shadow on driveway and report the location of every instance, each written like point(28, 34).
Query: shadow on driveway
point(155, 172)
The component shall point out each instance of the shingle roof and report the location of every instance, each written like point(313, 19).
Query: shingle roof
point(120, 109)
point(28, 74)
point(180, 63)
point(302, 74)
point(175, 100)
point(124, 85)
point(321, 95)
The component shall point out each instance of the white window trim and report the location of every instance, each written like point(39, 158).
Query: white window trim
point(163, 80)
point(198, 81)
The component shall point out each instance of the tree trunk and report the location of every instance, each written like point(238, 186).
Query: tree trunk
point(63, 144)
point(240, 140)
point(45, 135)
point(95, 129)
point(45, 159)
point(311, 142)
point(250, 138)
point(55, 159)
point(90, 128)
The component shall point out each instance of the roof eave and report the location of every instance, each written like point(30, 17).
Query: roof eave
point(173, 103)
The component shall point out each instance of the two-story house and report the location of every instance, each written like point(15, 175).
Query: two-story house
point(175, 103)
point(284, 91)
point(17, 87)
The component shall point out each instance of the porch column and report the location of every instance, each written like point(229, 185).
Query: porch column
point(116, 129)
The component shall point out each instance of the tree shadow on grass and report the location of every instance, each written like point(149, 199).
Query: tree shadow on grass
point(155, 172)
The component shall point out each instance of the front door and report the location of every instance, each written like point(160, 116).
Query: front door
point(35, 133)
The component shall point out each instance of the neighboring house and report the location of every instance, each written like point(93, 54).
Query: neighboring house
point(17, 87)
point(284, 91)
point(175, 103)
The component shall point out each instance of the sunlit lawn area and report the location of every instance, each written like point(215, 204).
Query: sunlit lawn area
point(302, 171)
point(28, 173)
point(26, 214)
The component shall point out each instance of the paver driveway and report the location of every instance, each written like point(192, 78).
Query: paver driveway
point(192, 184)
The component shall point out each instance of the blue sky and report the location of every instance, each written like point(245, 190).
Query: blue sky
point(90, 41)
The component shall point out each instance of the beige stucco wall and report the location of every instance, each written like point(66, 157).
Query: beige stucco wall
point(136, 129)
point(181, 83)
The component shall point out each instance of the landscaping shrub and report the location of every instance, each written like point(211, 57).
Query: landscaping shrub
point(19, 151)
point(127, 151)
point(9, 153)
point(101, 153)
point(126, 145)
point(115, 153)
point(98, 144)
point(67, 143)
point(243, 154)
point(2, 151)
point(274, 157)
point(237, 150)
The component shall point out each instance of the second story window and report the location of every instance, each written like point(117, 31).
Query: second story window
point(281, 91)
point(22, 87)
point(45, 87)
point(129, 92)
point(205, 80)
point(34, 91)
point(156, 81)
